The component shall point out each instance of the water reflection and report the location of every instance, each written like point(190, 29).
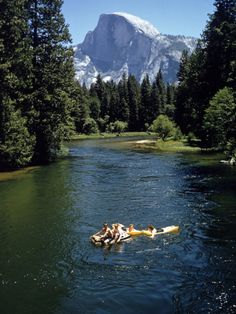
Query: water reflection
point(35, 240)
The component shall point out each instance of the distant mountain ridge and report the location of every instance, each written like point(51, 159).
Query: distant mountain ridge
point(123, 43)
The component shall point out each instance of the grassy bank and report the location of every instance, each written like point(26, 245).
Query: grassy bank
point(159, 145)
point(167, 146)
point(108, 135)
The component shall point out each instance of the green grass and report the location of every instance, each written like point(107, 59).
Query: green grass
point(170, 146)
point(108, 135)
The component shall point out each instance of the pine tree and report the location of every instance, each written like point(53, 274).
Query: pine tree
point(220, 46)
point(157, 98)
point(161, 90)
point(99, 88)
point(145, 108)
point(155, 101)
point(170, 94)
point(114, 103)
point(80, 108)
point(124, 113)
point(94, 107)
point(16, 144)
point(134, 103)
point(123, 88)
point(124, 99)
point(53, 75)
point(182, 97)
point(183, 66)
point(170, 101)
point(191, 92)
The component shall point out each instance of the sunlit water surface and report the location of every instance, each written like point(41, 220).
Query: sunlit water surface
point(48, 265)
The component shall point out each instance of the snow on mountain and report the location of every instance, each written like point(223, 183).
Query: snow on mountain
point(141, 25)
point(123, 43)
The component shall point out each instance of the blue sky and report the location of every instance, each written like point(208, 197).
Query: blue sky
point(175, 17)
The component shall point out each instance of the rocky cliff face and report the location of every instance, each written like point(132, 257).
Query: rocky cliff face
point(122, 43)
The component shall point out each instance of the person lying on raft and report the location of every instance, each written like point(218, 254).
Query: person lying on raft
point(152, 230)
point(132, 231)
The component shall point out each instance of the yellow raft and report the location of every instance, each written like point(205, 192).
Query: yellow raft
point(159, 231)
point(135, 232)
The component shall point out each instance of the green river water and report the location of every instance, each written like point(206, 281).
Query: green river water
point(48, 265)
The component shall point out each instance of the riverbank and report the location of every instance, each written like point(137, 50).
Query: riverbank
point(15, 174)
point(147, 143)
point(76, 137)
point(167, 146)
point(152, 143)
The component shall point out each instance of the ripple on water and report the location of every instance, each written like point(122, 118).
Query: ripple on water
point(48, 262)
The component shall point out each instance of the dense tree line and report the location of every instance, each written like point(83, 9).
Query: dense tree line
point(205, 97)
point(108, 105)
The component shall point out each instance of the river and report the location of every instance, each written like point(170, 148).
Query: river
point(48, 265)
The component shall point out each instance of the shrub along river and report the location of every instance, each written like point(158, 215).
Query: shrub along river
point(48, 265)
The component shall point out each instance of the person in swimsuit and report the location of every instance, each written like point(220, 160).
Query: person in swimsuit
point(130, 228)
point(116, 234)
point(152, 230)
point(103, 234)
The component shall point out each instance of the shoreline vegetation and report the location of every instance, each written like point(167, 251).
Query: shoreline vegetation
point(149, 142)
point(152, 143)
point(168, 146)
point(81, 136)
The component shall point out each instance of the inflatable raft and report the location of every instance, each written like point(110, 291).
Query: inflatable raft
point(135, 232)
point(159, 231)
point(97, 240)
point(162, 230)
